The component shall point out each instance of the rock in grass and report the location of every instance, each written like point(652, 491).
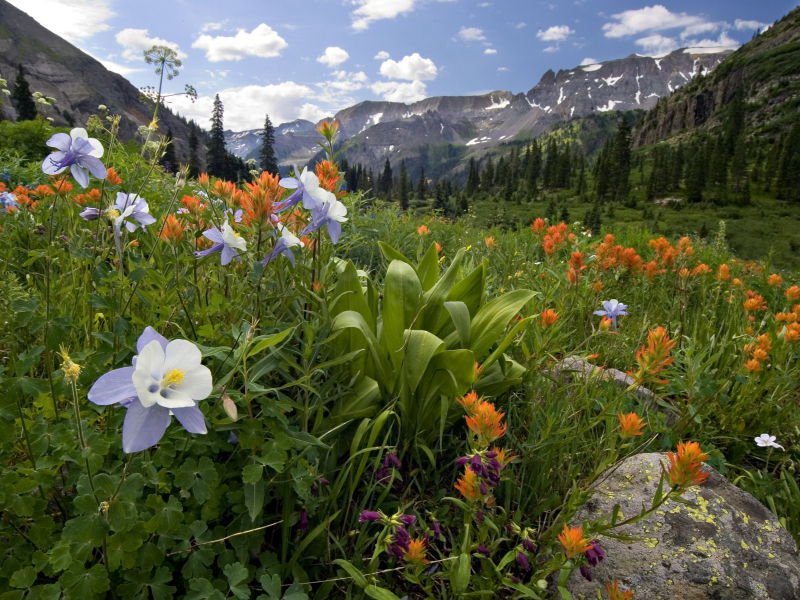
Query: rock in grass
point(727, 546)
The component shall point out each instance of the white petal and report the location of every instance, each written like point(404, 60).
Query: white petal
point(321, 195)
point(338, 211)
point(169, 398)
point(151, 360)
point(181, 354)
point(197, 383)
point(147, 388)
point(98, 148)
point(78, 132)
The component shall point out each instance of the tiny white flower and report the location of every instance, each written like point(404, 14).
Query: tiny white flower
point(766, 440)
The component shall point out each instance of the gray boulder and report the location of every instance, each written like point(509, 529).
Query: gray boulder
point(726, 546)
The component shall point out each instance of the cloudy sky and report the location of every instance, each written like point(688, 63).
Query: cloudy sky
point(309, 58)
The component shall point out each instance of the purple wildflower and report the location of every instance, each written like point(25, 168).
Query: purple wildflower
point(129, 205)
point(307, 189)
point(587, 573)
point(401, 537)
point(323, 481)
point(437, 530)
point(167, 378)
point(382, 475)
point(91, 214)
point(483, 550)
point(369, 515)
point(477, 466)
point(409, 520)
point(522, 559)
point(612, 310)
point(226, 241)
point(462, 461)
point(491, 454)
point(78, 152)
point(595, 554)
point(528, 545)
point(331, 214)
point(283, 246)
point(314, 491)
point(391, 459)
point(303, 523)
point(8, 200)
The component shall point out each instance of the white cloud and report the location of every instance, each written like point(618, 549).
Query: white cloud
point(553, 48)
point(369, 11)
point(588, 61)
point(114, 67)
point(337, 90)
point(245, 106)
point(333, 56)
point(471, 34)
point(484, 4)
point(742, 25)
point(382, 55)
point(490, 51)
point(502, 68)
point(211, 27)
point(657, 44)
point(649, 18)
point(136, 41)
point(519, 25)
point(75, 20)
point(413, 68)
point(263, 41)
point(395, 91)
point(556, 33)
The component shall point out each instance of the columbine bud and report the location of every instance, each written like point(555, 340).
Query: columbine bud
point(230, 407)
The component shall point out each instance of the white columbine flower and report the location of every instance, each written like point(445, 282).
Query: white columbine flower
point(766, 440)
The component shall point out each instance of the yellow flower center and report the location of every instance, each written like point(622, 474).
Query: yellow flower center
point(112, 213)
point(236, 234)
point(174, 377)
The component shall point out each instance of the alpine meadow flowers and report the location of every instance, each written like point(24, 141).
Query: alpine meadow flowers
point(167, 378)
point(77, 152)
point(227, 242)
point(611, 310)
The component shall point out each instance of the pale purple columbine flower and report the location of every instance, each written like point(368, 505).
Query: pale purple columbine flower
point(78, 152)
point(237, 216)
point(284, 246)
point(91, 214)
point(167, 378)
point(8, 200)
point(766, 440)
point(307, 189)
point(613, 309)
point(331, 214)
point(226, 241)
point(129, 206)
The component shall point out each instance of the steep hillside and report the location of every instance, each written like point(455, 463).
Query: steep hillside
point(766, 71)
point(78, 82)
point(461, 126)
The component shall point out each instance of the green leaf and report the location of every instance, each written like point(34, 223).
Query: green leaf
point(254, 498)
point(422, 347)
point(295, 592)
point(23, 578)
point(273, 340)
point(390, 254)
point(492, 318)
point(357, 576)
point(81, 584)
point(435, 297)
point(460, 580)
point(252, 473)
point(271, 585)
point(565, 595)
point(459, 313)
point(428, 267)
point(91, 528)
point(61, 556)
point(238, 578)
point(373, 591)
point(201, 589)
point(168, 515)
point(401, 297)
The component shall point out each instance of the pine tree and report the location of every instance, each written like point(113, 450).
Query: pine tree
point(580, 187)
point(422, 187)
point(564, 216)
point(695, 180)
point(22, 97)
point(440, 197)
point(473, 179)
point(622, 160)
point(168, 160)
point(403, 187)
point(550, 212)
point(463, 203)
point(385, 180)
point(194, 160)
point(266, 157)
point(217, 156)
point(487, 177)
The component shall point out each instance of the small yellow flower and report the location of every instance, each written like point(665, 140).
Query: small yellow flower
point(71, 370)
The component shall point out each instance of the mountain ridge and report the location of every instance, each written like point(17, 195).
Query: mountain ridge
point(375, 130)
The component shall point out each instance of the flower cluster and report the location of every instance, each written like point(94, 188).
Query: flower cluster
point(759, 353)
point(611, 255)
point(653, 358)
point(398, 542)
point(630, 425)
point(686, 465)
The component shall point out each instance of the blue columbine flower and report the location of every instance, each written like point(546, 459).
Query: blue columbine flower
point(331, 214)
point(307, 189)
point(226, 241)
point(127, 206)
point(8, 200)
point(78, 152)
point(167, 378)
point(613, 309)
point(283, 246)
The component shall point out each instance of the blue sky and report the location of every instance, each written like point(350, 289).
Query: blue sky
point(308, 58)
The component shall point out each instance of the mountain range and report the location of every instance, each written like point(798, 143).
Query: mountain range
point(461, 126)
